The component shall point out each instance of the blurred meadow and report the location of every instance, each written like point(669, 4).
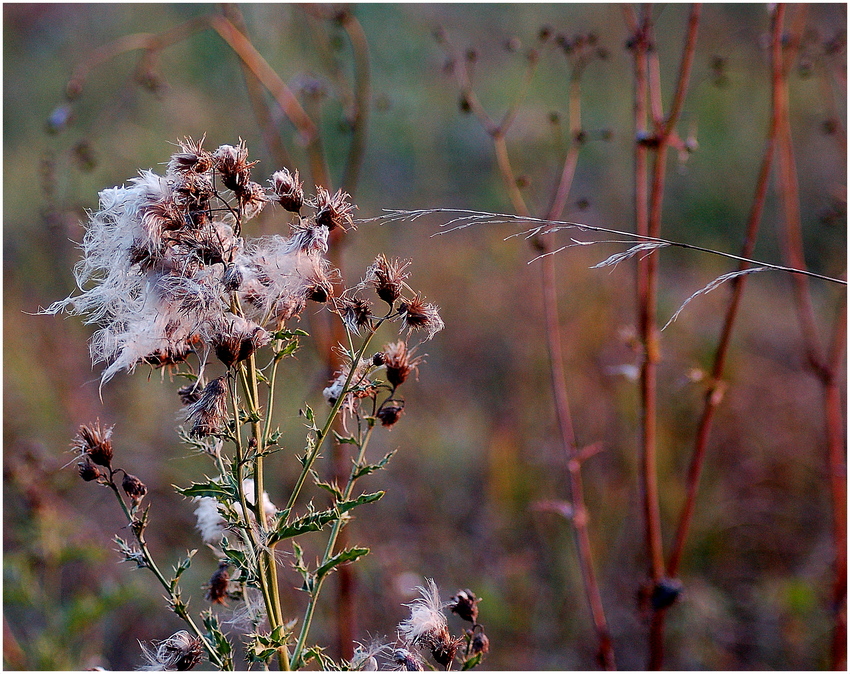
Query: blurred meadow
point(474, 491)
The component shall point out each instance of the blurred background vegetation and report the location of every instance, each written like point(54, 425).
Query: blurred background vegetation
point(478, 444)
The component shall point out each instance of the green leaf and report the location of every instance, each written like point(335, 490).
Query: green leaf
point(472, 662)
point(312, 521)
point(372, 467)
point(219, 641)
point(214, 489)
point(344, 439)
point(344, 557)
point(327, 486)
point(345, 506)
point(181, 568)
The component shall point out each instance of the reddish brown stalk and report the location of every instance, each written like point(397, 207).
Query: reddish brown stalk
point(716, 389)
point(605, 653)
point(826, 367)
point(271, 137)
point(646, 62)
point(362, 99)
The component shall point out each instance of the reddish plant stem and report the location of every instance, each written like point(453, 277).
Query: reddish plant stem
point(826, 367)
point(647, 77)
point(716, 389)
point(605, 653)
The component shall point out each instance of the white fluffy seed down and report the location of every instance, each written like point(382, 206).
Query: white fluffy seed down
point(213, 526)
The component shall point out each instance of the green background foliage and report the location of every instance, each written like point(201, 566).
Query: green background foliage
point(477, 447)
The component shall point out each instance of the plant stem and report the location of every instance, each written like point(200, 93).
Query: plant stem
point(213, 655)
point(329, 549)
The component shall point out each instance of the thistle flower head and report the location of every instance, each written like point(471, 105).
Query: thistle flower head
point(387, 277)
point(235, 339)
point(308, 238)
point(355, 313)
point(210, 410)
point(180, 652)
point(333, 211)
point(398, 361)
point(419, 315)
point(287, 190)
point(95, 443)
point(427, 623)
point(134, 488)
point(191, 157)
point(233, 165)
point(465, 605)
point(251, 198)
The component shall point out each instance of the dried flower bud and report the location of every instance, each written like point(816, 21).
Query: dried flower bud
point(480, 643)
point(355, 313)
point(134, 488)
point(232, 278)
point(180, 652)
point(208, 413)
point(288, 190)
point(465, 605)
point(95, 442)
point(417, 315)
point(319, 290)
point(237, 339)
point(189, 394)
point(192, 157)
point(333, 211)
point(407, 660)
point(252, 199)
point(390, 412)
point(233, 165)
point(387, 277)
point(88, 471)
point(399, 365)
point(219, 582)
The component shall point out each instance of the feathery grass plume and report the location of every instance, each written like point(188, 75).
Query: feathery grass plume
point(180, 652)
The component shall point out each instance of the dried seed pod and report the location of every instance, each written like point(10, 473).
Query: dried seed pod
point(465, 605)
point(390, 412)
point(134, 488)
point(288, 190)
point(95, 442)
point(398, 362)
point(480, 643)
point(88, 471)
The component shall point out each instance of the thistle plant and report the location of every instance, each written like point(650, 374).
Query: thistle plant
point(171, 283)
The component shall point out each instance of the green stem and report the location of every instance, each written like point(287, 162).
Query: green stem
point(311, 457)
point(335, 530)
point(151, 564)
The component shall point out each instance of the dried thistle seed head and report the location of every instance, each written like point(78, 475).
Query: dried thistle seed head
point(426, 626)
point(319, 290)
point(192, 193)
point(288, 190)
point(355, 313)
point(95, 442)
point(190, 393)
point(398, 362)
point(407, 660)
point(444, 650)
point(88, 471)
point(219, 582)
point(236, 339)
point(180, 652)
point(465, 605)
point(192, 157)
point(233, 165)
point(387, 276)
point(419, 315)
point(134, 488)
point(252, 199)
point(308, 238)
point(333, 211)
point(210, 411)
point(390, 412)
point(480, 643)
point(232, 277)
